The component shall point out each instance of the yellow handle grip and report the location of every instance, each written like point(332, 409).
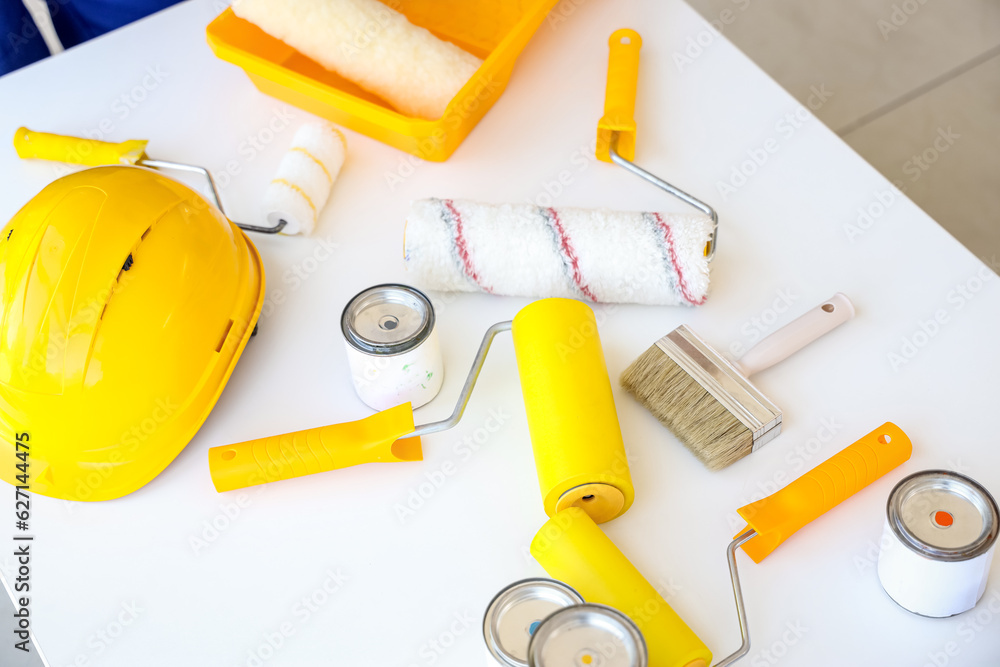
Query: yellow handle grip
point(619, 95)
point(76, 150)
point(780, 515)
point(374, 438)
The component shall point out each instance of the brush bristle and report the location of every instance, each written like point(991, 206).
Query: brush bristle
point(699, 421)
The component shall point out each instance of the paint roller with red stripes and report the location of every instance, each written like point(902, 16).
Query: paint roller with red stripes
point(596, 255)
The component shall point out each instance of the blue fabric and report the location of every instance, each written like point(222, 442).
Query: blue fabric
point(75, 21)
point(21, 44)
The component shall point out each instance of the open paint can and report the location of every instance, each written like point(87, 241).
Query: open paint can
point(392, 346)
point(516, 612)
point(938, 542)
point(587, 635)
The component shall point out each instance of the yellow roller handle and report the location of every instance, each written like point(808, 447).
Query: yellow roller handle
point(76, 150)
point(780, 515)
point(372, 439)
point(619, 95)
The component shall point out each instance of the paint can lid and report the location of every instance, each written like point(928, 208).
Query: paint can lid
point(587, 635)
point(943, 515)
point(515, 613)
point(386, 320)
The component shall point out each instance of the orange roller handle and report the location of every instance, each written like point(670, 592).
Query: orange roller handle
point(372, 439)
point(780, 515)
point(619, 94)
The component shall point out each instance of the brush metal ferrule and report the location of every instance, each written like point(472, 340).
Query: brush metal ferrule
point(726, 384)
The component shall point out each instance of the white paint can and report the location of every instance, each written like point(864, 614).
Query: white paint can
point(392, 346)
point(938, 543)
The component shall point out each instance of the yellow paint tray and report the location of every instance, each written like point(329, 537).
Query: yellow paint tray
point(494, 30)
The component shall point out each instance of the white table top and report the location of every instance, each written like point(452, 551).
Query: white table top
point(413, 592)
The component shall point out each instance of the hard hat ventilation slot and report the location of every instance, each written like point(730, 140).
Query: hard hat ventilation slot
point(225, 335)
point(145, 233)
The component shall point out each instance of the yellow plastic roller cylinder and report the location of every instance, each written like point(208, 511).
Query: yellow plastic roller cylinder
point(575, 434)
point(573, 549)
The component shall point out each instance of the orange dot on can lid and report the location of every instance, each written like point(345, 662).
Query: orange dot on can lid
point(943, 519)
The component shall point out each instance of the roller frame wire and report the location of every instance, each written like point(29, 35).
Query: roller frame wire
point(738, 595)
point(470, 383)
point(193, 168)
point(668, 188)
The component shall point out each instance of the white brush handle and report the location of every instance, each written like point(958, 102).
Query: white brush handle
point(795, 335)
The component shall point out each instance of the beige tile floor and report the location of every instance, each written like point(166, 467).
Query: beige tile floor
point(901, 71)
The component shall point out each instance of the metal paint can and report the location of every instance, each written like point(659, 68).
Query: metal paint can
point(517, 611)
point(392, 346)
point(587, 635)
point(938, 543)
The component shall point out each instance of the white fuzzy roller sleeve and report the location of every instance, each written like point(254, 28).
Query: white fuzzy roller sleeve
point(298, 192)
point(524, 250)
point(372, 45)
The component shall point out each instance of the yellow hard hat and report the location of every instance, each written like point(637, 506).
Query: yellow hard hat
point(126, 302)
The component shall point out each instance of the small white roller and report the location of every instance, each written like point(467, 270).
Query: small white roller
point(524, 250)
point(372, 45)
point(299, 190)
